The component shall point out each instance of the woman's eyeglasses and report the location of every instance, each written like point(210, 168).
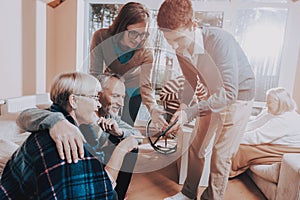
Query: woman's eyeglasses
point(95, 97)
point(132, 34)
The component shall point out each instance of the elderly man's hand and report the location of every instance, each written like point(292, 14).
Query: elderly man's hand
point(68, 138)
point(110, 125)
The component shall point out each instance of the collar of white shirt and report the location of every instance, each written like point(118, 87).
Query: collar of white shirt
point(198, 45)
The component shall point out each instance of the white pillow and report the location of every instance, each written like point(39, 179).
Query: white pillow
point(267, 172)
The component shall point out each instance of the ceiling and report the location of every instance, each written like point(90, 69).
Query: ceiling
point(55, 3)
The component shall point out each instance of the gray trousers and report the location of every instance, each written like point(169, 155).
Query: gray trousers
point(228, 127)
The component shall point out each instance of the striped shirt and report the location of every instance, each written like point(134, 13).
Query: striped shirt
point(35, 171)
point(170, 93)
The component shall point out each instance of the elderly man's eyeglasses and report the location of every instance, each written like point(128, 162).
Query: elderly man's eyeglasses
point(95, 97)
point(132, 34)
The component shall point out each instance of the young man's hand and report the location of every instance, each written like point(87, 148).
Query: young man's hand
point(181, 117)
point(157, 118)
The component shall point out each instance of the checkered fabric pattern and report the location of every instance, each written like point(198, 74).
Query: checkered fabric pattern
point(35, 171)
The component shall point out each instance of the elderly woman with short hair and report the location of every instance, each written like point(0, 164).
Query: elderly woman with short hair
point(271, 134)
point(35, 170)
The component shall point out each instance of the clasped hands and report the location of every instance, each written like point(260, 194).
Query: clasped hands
point(110, 125)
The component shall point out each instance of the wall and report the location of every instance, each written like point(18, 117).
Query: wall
point(65, 36)
point(60, 40)
point(292, 43)
point(296, 93)
point(22, 48)
point(41, 21)
point(50, 46)
point(80, 34)
point(28, 47)
point(11, 48)
point(289, 62)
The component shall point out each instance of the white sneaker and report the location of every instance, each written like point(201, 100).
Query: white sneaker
point(178, 196)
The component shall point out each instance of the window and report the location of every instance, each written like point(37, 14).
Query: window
point(101, 16)
point(260, 32)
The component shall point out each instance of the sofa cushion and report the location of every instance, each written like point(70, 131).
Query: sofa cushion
point(9, 116)
point(267, 172)
point(9, 130)
point(268, 188)
point(7, 148)
point(289, 179)
point(11, 136)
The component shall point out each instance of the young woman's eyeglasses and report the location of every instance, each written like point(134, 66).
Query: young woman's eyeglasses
point(95, 97)
point(132, 34)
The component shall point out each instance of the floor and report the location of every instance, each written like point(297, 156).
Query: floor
point(156, 177)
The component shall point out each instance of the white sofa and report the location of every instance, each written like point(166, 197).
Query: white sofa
point(11, 136)
point(280, 181)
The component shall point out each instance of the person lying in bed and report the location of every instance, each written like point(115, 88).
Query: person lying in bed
point(101, 141)
point(274, 132)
